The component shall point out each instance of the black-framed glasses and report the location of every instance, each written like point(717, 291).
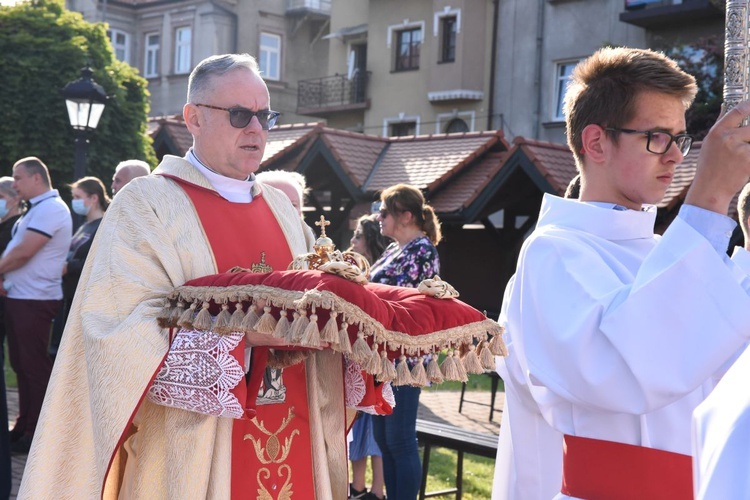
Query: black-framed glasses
point(239, 117)
point(659, 142)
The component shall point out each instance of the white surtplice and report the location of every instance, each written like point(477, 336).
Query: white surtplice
point(721, 429)
point(613, 333)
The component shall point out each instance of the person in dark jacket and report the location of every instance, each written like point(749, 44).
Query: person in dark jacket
point(91, 201)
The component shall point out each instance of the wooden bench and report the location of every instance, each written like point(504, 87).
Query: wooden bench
point(463, 441)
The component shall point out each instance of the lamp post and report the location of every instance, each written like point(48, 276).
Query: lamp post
point(85, 100)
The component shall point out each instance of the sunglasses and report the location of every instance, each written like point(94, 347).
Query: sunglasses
point(239, 117)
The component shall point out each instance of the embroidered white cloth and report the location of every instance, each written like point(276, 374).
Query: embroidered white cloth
point(355, 388)
point(199, 373)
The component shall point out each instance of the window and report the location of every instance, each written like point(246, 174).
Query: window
point(182, 45)
point(564, 70)
point(456, 126)
point(121, 44)
point(408, 43)
point(270, 56)
point(403, 128)
point(448, 31)
point(151, 58)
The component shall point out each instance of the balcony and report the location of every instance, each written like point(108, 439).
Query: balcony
point(655, 14)
point(316, 8)
point(333, 94)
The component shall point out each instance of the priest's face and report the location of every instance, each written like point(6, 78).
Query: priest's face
point(632, 175)
point(230, 151)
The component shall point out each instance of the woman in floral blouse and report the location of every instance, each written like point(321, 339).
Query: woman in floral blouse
point(411, 258)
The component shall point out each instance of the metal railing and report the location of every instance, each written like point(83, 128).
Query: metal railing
point(333, 91)
point(323, 6)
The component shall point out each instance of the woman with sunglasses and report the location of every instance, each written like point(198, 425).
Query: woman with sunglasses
point(368, 241)
point(411, 258)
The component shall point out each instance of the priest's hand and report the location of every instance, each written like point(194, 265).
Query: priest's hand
point(724, 162)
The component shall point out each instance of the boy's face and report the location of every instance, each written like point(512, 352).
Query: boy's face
point(634, 176)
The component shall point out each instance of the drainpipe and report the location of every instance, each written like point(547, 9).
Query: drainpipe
point(493, 65)
point(538, 69)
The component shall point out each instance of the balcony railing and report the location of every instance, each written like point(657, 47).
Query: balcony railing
point(309, 6)
point(657, 14)
point(333, 94)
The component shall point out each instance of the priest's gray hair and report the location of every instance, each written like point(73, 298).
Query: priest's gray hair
point(200, 78)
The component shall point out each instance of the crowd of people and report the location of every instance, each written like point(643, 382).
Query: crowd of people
point(625, 348)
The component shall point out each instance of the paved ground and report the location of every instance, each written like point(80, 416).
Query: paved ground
point(438, 406)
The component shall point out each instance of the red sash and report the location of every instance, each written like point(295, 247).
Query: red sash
point(271, 454)
point(594, 469)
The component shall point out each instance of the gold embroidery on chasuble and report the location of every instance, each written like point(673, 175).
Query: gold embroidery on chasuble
point(273, 453)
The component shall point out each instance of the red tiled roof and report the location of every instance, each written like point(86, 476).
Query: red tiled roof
point(423, 160)
point(286, 137)
point(461, 192)
point(174, 127)
point(554, 161)
point(356, 153)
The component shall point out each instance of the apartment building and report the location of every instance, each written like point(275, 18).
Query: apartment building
point(400, 68)
point(165, 39)
point(540, 41)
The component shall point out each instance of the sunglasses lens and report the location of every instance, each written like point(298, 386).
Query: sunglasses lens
point(240, 117)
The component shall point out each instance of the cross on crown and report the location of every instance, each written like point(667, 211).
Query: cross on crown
point(322, 223)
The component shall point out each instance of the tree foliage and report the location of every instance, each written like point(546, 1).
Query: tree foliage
point(43, 47)
point(704, 59)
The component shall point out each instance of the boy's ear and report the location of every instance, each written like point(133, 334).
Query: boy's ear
point(593, 138)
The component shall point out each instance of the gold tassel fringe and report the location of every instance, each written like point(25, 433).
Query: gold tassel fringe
point(267, 323)
point(330, 331)
point(418, 374)
point(283, 326)
point(203, 318)
point(448, 367)
point(434, 374)
point(486, 356)
point(361, 352)
point(251, 318)
point(403, 375)
point(471, 361)
point(299, 325)
point(311, 336)
point(387, 370)
point(459, 367)
point(345, 344)
point(235, 322)
point(222, 320)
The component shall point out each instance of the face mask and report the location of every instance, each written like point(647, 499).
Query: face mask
point(80, 208)
point(3, 209)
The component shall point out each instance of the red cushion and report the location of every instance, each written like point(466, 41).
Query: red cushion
point(396, 310)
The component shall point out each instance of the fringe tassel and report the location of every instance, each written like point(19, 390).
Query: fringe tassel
point(387, 370)
point(471, 361)
point(299, 325)
point(373, 364)
point(235, 322)
point(459, 367)
point(186, 319)
point(311, 336)
point(174, 316)
point(203, 318)
point(486, 356)
point(497, 346)
point(434, 374)
point(283, 327)
point(345, 344)
point(403, 375)
point(267, 323)
point(361, 352)
point(251, 319)
point(448, 367)
point(418, 374)
point(222, 320)
point(288, 334)
point(330, 331)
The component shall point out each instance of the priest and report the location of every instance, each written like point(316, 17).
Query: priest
point(100, 435)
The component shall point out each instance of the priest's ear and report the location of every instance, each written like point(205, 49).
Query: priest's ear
point(595, 140)
point(192, 116)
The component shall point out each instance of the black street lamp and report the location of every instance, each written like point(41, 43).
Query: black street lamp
point(85, 100)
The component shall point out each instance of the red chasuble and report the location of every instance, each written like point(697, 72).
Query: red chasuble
point(271, 450)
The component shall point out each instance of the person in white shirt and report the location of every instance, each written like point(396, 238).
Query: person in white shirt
point(721, 424)
point(615, 334)
point(31, 267)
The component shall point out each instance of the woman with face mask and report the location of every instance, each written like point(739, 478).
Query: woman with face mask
point(91, 201)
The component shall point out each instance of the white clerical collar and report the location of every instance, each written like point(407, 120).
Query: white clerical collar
point(233, 190)
point(620, 208)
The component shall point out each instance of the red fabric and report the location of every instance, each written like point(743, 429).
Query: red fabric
point(593, 468)
point(374, 396)
point(399, 309)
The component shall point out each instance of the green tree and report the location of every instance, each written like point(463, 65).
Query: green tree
point(43, 47)
point(704, 59)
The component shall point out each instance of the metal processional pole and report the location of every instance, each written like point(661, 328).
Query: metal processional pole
point(736, 85)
